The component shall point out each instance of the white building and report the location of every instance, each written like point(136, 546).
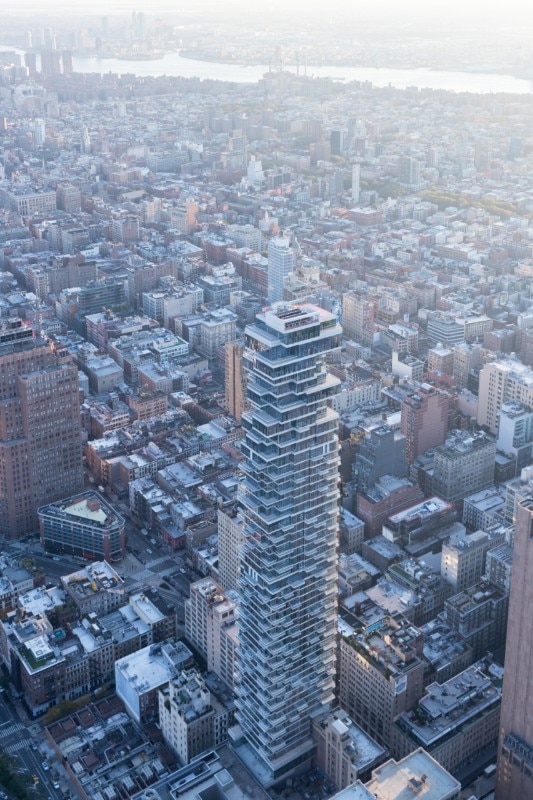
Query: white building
point(139, 676)
point(499, 382)
point(280, 264)
point(515, 433)
point(216, 329)
point(463, 558)
point(191, 719)
point(416, 775)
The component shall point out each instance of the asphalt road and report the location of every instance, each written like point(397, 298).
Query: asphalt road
point(16, 739)
point(55, 569)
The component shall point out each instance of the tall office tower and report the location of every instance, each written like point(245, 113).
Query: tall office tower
point(39, 132)
point(68, 66)
point(50, 62)
point(356, 182)
point(289, 494)
point(40, 428)
point(336, 140)
point(424, 420)
point(409, 171)
point(235, 379)
point(85, 140)
point(68, 198)
point(30, 61)
point(515, 753)
point(280, 264)
point(46, 62)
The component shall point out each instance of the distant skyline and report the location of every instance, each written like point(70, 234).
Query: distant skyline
point(513, 13)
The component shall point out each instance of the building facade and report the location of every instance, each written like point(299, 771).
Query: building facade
point(289, 492)
point(40, 428)
point(84, 525)
point(358, 314)
point(464, 465)
point(424, 420)
point(280, 264)
point(235, 379)
point(515, 754)
point(230, 526)
point(499, 382)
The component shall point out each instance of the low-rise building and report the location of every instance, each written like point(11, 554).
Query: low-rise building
point(139, 676)
point(416, 774)
point(352, 532)
point(479, 615)
point(345, 753)
point(380, 674)
point(463, 557)
point(456, 721)
point(44, 667)
point(191, 719)
point(499, 566)
point(483, 509)
point(104, 752)
point(355, 574)
point(381, 552)
point(96, 588)
point(388, 496)
point(445, 652)
point(463, 465)
point(426, 589)
point(212, 629)
point(15, 580)
point(421, 524)
point(83, 525)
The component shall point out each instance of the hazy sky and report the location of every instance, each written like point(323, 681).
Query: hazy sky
point(511, 13)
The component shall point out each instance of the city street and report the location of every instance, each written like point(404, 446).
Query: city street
point(16, 740)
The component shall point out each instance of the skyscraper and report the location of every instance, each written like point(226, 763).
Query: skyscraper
point(289, 492)
point(515, 754)
point(40, 438)
point(356, 182)
point(280, 264)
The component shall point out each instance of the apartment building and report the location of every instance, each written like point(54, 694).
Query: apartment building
point(381, 674)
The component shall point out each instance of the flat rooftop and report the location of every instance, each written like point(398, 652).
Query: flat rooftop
point(446, 707)
point(149, 668)
point(388, 644)
point(474, 596)
point(418, 774)
point(87, 507)
point(94, 578)
point(433, 505)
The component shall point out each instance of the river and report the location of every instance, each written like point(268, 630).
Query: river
point(178, 66)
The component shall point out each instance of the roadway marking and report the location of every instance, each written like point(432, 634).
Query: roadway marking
point(14, 748)
point(13, 728)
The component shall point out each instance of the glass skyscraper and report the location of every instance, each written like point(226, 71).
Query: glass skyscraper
point(289, 492)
